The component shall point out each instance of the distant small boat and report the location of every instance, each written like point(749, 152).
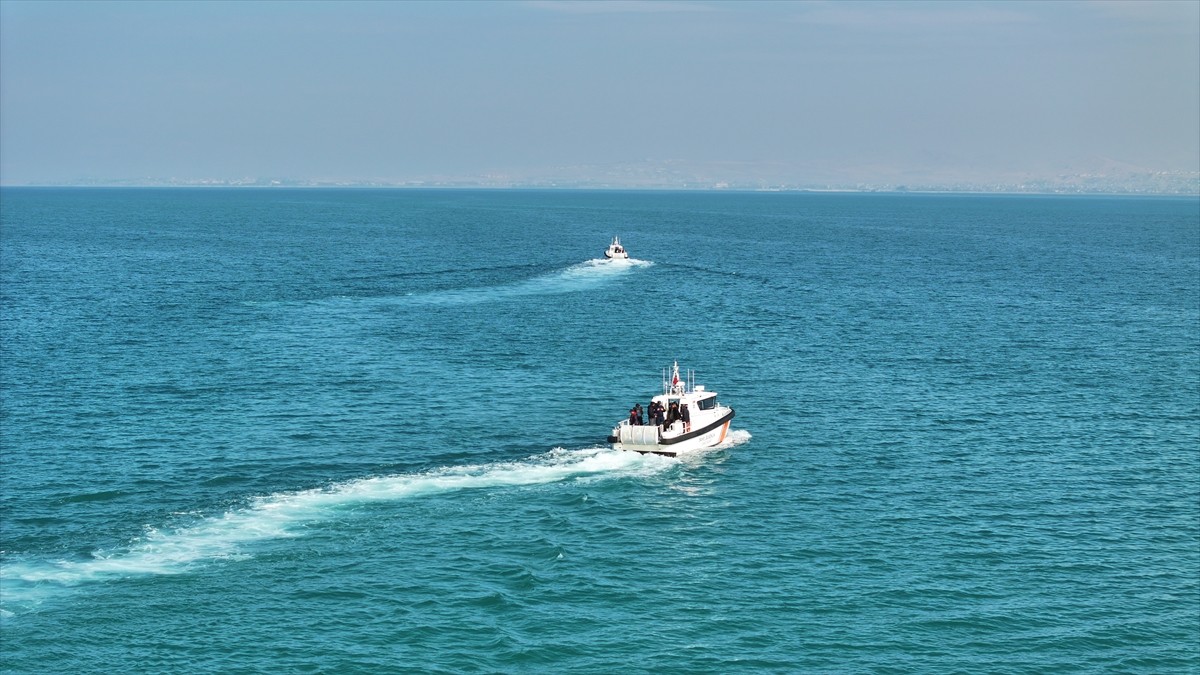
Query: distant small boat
point(693, 420)
point(616, 251)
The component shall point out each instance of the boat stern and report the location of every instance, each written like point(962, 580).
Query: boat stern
point(636, 438)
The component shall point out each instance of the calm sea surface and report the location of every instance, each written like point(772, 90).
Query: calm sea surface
point(363, 431)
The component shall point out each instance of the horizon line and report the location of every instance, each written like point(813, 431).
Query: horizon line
point(898, 190)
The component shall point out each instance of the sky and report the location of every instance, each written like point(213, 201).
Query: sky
point(781, 92)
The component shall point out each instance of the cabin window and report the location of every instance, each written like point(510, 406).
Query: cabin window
point(707, 403)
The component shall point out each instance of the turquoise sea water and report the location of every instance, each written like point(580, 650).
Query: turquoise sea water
point(362, 431)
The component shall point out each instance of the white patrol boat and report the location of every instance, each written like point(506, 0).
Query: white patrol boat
point(616, 251)
point(693, 420)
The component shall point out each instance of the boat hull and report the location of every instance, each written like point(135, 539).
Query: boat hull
point(636, 439)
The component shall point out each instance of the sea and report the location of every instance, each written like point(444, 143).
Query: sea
point(364, 431)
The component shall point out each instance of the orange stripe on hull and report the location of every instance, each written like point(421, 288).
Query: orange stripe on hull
point(723, 430)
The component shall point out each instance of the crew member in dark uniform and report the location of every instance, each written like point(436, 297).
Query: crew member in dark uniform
point(657, 412)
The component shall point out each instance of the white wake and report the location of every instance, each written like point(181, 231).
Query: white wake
point(285, 514)
point(576, 278)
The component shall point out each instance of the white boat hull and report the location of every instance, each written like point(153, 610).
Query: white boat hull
point(616, 251)
point(649, 439)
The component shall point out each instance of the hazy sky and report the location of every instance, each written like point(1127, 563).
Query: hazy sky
point(411, 90)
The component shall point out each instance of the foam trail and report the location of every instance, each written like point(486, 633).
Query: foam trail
point(576, 278)
point(581, 277)
point(283, 515)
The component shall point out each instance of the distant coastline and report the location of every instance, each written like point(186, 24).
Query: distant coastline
point(1180, 187)
point(1095, 175)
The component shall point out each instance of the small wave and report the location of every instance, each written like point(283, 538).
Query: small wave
point(427, 273)
point(157, 552)
point(84, 498)
point(724, 273)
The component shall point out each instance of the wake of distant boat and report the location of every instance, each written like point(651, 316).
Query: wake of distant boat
point(580, 277)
